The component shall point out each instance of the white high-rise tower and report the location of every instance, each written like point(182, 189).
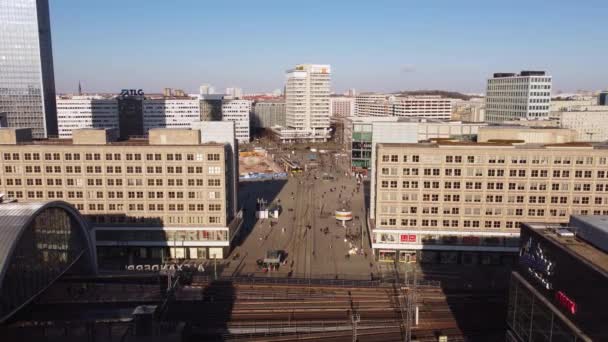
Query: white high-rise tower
point(307, 105)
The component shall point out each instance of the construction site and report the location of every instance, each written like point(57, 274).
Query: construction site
point(258, 161)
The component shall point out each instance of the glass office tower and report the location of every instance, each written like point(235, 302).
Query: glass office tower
point(27, 82)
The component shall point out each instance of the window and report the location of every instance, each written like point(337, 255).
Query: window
point(213, 156)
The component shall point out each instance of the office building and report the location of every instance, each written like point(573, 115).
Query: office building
point(431, 107)
point(342, 107)
point(557, 290)
point(130, 116)
point(267, 114)
point(359, 132)
point(307, 106)
point(456, 202)
point(234, 92)
point(589, 122)
point(525, 134)
point(238, 111)
point(373, 105)
point(27, 81)
point(147, 199)
point(211, 107)
point(170, 113)
point(523, 96)
point(79, 112)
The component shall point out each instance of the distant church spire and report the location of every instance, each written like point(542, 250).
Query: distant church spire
point(79, 88)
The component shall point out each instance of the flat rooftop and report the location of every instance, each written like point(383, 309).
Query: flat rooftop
point(497, 143)
point(575, 245)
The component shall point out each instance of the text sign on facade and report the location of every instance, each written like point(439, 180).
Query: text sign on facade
point(408, 238)
point(131, 92)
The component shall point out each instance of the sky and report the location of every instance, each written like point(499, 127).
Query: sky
point(374, 45)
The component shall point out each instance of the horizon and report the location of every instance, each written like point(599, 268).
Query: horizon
point(387, 46)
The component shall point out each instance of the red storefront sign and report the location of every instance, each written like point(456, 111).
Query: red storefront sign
point(565, 302)
point(408, 238)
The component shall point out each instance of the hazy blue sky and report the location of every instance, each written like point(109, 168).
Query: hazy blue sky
point(372, 45)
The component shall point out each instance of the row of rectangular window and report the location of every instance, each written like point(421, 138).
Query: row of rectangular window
point(113, 156)
point(541, 160)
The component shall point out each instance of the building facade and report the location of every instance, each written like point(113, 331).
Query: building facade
point(170, 113)
point(131, 116)
point(79, 112)
point(238, 111)
point(373, 105)
point(526, 95)
point(430, 107)
point(464, 202)
point(267, 114)
point(148, 199)
point(590, 123)
point(27, 81)
point(359, 134)
point(307, 104)
point(556, 288)
point(342, 107)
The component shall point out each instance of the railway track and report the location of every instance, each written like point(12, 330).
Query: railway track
point(274, 312)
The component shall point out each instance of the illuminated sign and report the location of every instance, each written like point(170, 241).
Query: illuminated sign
point(565, 302)
point(131, 92)
point(536, 262)
point(408, 238)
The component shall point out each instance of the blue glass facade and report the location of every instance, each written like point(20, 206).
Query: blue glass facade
point(27, 83)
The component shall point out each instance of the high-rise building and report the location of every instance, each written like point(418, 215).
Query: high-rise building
point(238, 111)
point(525, 96)
point(168, 196)
point(342, 107)
point(27, 81)
point(307, 105)
point(234, 92)
point(456, 202)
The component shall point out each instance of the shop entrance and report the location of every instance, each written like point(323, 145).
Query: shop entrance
point(388, 256)
point(407, 256)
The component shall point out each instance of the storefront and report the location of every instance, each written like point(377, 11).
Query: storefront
point(447, 249)
point(117, 247)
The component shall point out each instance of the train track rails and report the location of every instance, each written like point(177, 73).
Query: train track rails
point(273, 312)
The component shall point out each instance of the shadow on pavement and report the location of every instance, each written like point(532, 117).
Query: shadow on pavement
point(249, 192)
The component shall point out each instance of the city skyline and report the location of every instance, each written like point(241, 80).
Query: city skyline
point(386, 46)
